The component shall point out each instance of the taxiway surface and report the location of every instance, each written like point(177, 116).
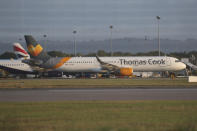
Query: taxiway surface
point(26, 95)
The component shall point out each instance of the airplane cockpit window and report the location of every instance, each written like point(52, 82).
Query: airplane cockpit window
point(177, 61)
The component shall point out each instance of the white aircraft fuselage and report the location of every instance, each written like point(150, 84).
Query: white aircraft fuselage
point(15, 66)
point(138, 64)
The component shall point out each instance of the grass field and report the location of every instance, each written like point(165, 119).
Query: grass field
point(99, 116)
point(72, 83)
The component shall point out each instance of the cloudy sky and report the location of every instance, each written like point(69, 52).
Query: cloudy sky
point(92, 18)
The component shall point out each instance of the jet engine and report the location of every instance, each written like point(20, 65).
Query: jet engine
point(125, 71)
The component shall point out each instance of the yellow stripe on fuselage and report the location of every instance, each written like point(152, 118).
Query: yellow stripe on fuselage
point(35, 51)
point(62, 61)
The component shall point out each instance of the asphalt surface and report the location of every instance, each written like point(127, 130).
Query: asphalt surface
point(27, 95)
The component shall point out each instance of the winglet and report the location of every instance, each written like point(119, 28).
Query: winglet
point(98, 59)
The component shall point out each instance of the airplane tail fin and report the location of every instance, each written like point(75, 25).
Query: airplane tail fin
point(35, 49)
point(20, 51)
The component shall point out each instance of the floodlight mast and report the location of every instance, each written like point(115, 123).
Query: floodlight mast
point(158, 18)
point(74, 32)
point(111, 27)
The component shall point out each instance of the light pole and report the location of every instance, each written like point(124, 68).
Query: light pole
point(158, 18)
point(111, 27)
point(45, 41)
point(74, 32)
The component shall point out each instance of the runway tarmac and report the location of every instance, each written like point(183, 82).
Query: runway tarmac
point(26, 95)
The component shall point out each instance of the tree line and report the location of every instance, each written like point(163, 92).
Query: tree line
point(192, 55)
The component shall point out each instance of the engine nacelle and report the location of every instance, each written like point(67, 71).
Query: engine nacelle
point(125, 71)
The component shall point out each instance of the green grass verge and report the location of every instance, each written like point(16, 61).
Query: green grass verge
point(72, 83)
point(99, 116)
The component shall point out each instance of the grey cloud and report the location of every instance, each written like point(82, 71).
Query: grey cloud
point(177, 16)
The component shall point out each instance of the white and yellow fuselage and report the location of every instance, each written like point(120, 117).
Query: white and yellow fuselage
point(91, 64)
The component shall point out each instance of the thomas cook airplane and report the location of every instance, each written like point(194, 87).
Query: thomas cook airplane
point(118, 65)
point(16, 66)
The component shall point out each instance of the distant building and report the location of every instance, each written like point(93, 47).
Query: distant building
point(185, 60)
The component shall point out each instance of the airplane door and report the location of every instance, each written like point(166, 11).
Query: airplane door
point(168, 61)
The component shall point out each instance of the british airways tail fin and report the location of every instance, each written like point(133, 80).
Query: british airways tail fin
point(20, 51)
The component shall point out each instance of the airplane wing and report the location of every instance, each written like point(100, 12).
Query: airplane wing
point(35, 65)
point(33, 62)
point(107, 66)
point(115, 69)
